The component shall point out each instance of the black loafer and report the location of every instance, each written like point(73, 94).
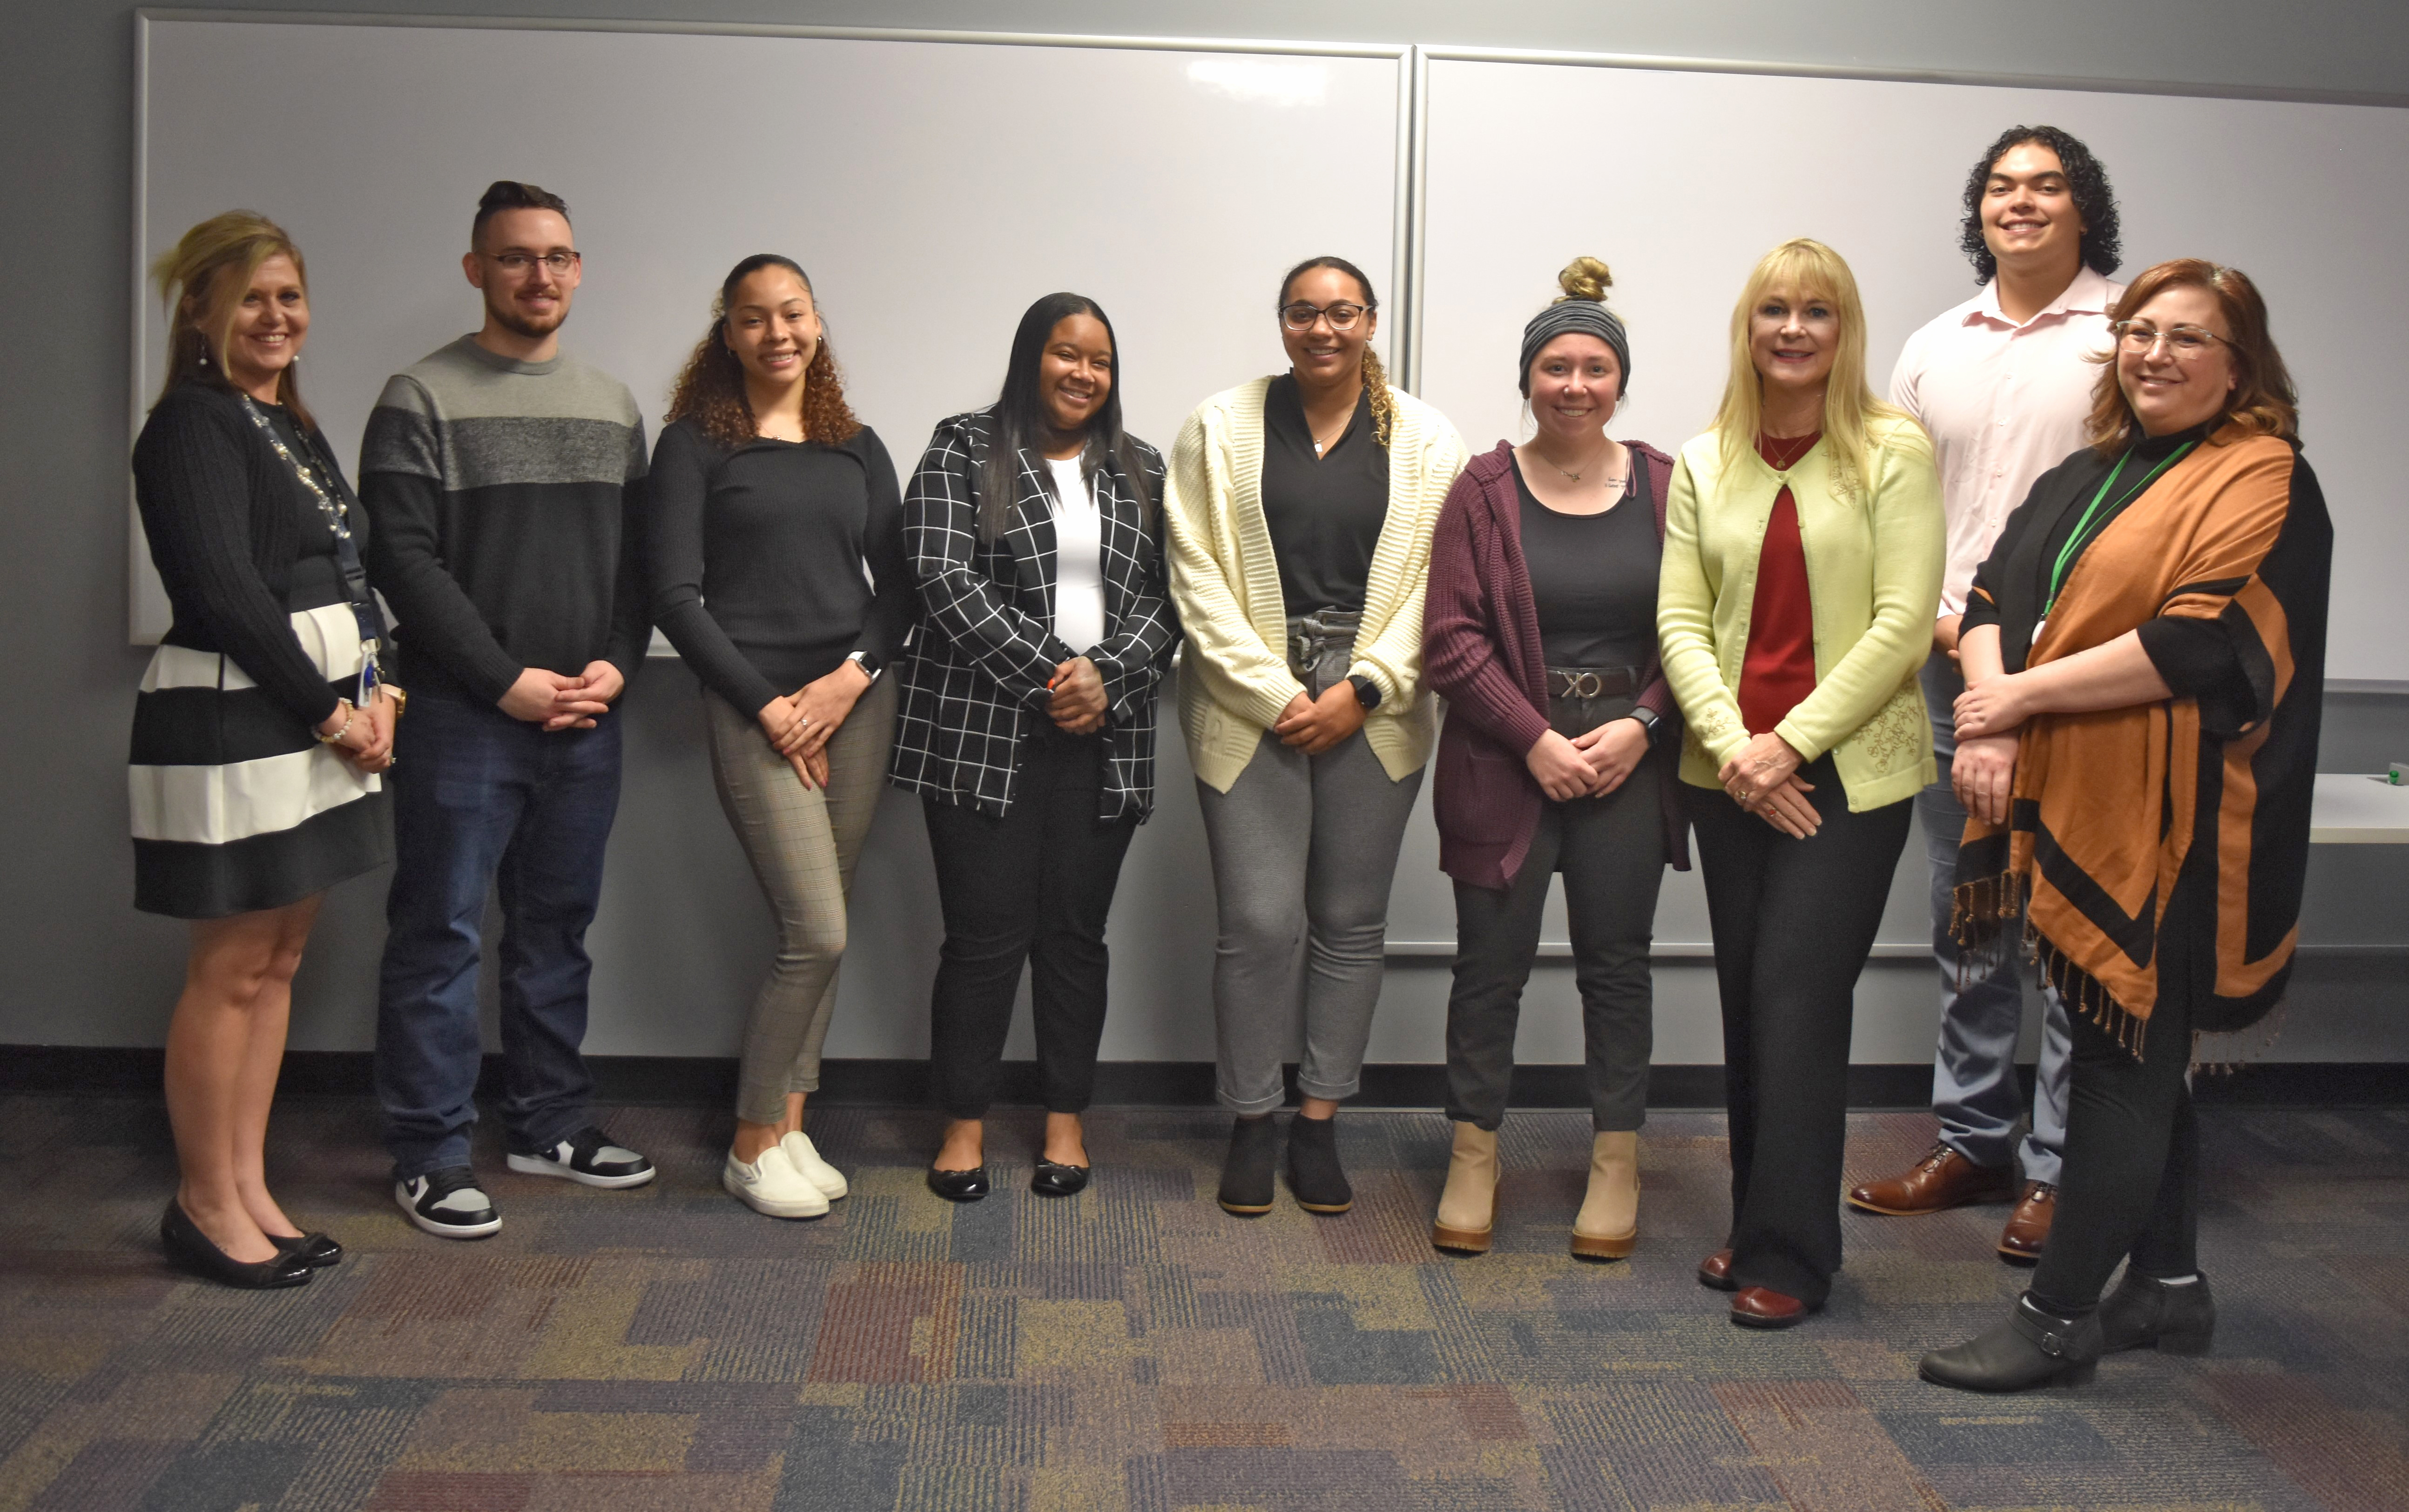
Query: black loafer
point(188, 1247)
point(316, 1250)
point(958, 1185)
point(1055, 1180)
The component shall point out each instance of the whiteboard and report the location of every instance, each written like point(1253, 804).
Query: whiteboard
point(931, 188)
point(1681, 181)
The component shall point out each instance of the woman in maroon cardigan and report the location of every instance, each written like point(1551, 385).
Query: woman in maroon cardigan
point(1540, 632)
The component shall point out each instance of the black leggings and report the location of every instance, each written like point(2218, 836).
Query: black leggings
point(1032, 887)
point(2131, 1182)
point(1793, 922)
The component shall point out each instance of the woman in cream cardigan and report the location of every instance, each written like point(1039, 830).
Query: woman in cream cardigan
point(1299, 511)
point(1802, 569)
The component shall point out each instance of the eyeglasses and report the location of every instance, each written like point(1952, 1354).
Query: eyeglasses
point(2184, 341)
point(519, 264)
point(1301, 316)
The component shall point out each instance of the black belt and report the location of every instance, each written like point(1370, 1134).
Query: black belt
point(1591, 682)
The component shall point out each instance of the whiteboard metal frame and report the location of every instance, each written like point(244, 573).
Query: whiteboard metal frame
point(1405, 359)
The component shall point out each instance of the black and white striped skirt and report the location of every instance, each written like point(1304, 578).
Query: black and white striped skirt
point(237, 806)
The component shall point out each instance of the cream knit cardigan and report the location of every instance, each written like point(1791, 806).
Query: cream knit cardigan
point(1233, 681)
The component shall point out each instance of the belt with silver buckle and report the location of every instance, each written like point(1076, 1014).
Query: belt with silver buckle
point(1591, 682)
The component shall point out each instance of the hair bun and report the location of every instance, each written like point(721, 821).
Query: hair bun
point(1586, 278)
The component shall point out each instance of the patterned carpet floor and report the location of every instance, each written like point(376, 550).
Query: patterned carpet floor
point(1135, 1347)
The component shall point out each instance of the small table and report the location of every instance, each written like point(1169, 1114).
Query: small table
point(2354, 809)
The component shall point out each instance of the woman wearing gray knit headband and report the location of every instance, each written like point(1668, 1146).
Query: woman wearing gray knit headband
point(1539, 630)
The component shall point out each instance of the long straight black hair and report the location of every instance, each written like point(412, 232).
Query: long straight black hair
point(1020, 420)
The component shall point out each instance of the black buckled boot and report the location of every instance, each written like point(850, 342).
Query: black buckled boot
point(2031, 1348)
point(2144, 1312)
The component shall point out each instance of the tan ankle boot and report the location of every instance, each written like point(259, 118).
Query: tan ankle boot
point(1467, 1208)
point(1609, 1224)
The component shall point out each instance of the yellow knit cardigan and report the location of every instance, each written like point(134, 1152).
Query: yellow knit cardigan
point(1873, 574)
point(1234, 682)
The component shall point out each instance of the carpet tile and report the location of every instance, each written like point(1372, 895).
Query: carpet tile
point(1136, 1350)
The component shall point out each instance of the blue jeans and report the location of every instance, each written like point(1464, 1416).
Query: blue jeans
point(480, 796)
point(1974, 1086)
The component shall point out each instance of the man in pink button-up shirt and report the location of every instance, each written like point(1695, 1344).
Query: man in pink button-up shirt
point(2004, 384)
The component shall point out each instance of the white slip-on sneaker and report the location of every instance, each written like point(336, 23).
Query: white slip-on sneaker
point(808, 1164)
point(448, 1204)
point(771, 1185)
point(589, 1157)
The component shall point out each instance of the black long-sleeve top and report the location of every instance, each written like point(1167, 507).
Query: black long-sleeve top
point(756, 556)
point(231, 530)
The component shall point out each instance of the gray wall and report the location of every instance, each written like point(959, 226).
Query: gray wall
point(682, 932)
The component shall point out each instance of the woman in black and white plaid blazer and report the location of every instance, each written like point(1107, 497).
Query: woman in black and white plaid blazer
point(1027, 722)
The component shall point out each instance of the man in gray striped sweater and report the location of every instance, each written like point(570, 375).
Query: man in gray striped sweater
point(504, 482)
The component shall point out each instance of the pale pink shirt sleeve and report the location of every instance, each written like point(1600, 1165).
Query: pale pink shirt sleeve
point(2003, 404)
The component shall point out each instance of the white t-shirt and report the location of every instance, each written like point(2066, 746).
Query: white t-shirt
point(1079, 558)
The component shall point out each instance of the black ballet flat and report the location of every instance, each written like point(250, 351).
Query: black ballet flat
point(958, 1185)
point(188, 1247)
point(316, 1250)
point(1053, 1178)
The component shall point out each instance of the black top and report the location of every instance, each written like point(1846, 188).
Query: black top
point(1325, 513)
point(238, 541)
point(756, 556)
point(2196, 658)
point(1593, 576)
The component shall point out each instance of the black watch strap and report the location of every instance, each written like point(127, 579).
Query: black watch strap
point(1368, 692)
point(1649, 720)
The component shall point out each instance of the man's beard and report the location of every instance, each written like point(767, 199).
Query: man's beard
point(506, 314)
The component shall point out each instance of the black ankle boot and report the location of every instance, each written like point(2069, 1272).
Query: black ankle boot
point(1315, 1177)
point(2143, 1312)
point(1247, 1170)
point(2031, 1348)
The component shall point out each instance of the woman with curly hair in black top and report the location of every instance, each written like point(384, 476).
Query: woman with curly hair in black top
point(774, 514)
point(261, 726)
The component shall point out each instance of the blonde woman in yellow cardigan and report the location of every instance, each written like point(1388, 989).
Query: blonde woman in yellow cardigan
point(1299, 511)
point(1802, 569)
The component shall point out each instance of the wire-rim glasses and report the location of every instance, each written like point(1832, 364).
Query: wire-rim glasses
point(2184, 341)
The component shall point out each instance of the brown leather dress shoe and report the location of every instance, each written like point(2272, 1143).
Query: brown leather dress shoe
point(1714, 1271)
point(1941, 1180)
point(2027, 1226)
point(1764, 1307)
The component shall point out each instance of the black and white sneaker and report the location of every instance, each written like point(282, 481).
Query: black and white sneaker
point(587, 1156)
point(448, 1204)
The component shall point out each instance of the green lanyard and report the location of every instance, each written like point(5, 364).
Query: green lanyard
point(2082, 535)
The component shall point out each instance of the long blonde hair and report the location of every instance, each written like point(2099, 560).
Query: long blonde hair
point(1812, 271)
point(202, 282)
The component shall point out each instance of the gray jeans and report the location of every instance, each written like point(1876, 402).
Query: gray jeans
point(1974, 1086)
point(802, 843)
point(1303, 851)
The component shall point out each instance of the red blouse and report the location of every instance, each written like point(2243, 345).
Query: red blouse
point(1778, 670)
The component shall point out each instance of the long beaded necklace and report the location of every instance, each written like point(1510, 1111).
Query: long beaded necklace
point(338, 514)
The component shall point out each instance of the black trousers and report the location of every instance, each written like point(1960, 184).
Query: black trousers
point(1031, 886)
point(1793, 921)
point(1612, 851)
point(2131, 1182)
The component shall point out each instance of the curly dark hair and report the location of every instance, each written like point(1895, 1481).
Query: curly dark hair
point(2084, 176)
point(711, 390)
